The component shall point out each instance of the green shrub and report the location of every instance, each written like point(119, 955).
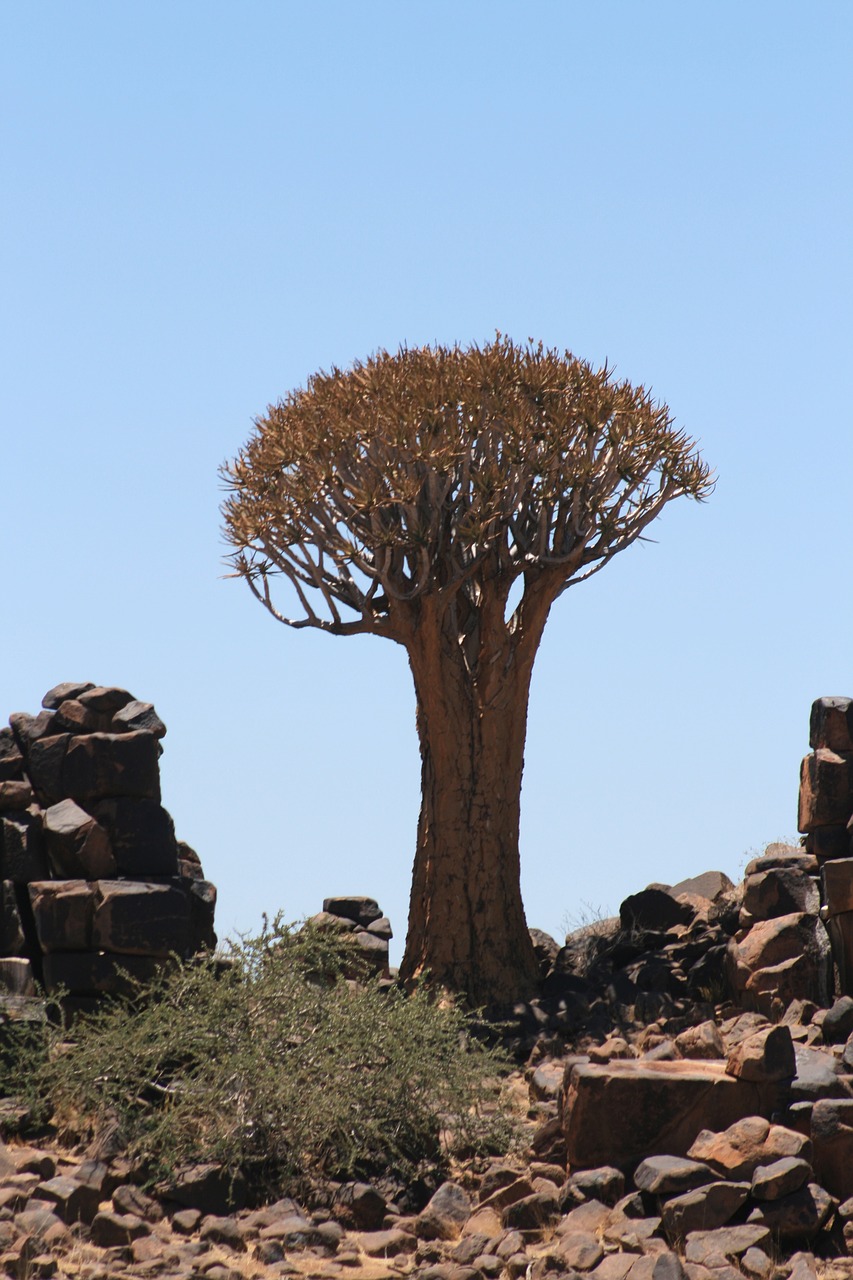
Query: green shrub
point(276, 1065)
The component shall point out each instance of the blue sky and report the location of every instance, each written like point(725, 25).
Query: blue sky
point(202, 203)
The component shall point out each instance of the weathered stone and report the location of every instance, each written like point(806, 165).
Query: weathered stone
point(818, 1075)
point(662, 1265)
point(783, 855)
point(671, 1175)
point(201, 895)
point(654, 908)
point(614, 1266)
point(702, 1041)
point(15, 795)
point(837, 1023)
point(385, 1244)
point(780, 891)
point(72, 717)
point(756, 1265)
point(111, 1230)
point(105, 698)
point(42, 1223)
point(837, 880)
point(381, 928)
point(703, 1209)
point(831, 724)
point(64, 912)
point(786, 957)
point(77, 846)
point(97, 973)
point(139, 918)
point(532, 1212)
point(606, 1184)
point(222, 1230)
point(22, 847)
point(29, 729)
point(634, 1234)
point(16, 976)
point(447, 1211)
point(832, 1136)
point(11, 759)
point(826, 789)
point(185, 1221)
point(801, 1214)
point(506, 1193)
point(772, 1181)
point(132, 1199)
point(829, 842)
point(95, 766)
point(72, 1201)
point(622, 1112)
point(712, 885)
point(362, 1205)
point(591, 1216)
point(210, 1188)
point(580, 1251)
point(354, 907)
point(547, 1081)
point(738, 1151)
point(61, 692)
point(730, 1242)
point(138, 715)
point(142, 835)
point(766, 1056)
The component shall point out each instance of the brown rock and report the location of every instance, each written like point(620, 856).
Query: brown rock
point(826, 789)
point(138, 715)
point(766, 1056)
point(729, 1242)
point(702, 1041)
point(772, 1181)
point(61, 692)
point(703, 1209)
point(142, 836)
point(94, 766)
point(107, 699)
point(671, 1175)
point(831, 724)
point(77, 846)
point(11, 759)
point(385, 1244)
point(801, 1214)
point(222, 1230)
point(72, 1201)
point(579, 1251)
point(140, 918)
point(73, 717)
point(98, 973)
point(64, 911)
point(780, 891)
point(110, 1230)
point(532, 1212)
point(15, 795)
point(622, 1112)
point(22, 847)
point(738, 1151)
point(837, 880)
point(832, 1136)
point(445, 1214)
point(787, 957)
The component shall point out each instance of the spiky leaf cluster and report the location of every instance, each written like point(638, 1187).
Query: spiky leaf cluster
point(446, 471)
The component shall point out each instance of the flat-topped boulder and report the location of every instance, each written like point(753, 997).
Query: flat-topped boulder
point(624, 1110)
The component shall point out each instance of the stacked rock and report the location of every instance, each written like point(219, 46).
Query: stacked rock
point(826, 817)
point(96, 890)
point(363, 918)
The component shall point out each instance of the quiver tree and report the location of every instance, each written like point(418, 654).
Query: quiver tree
point(444, 498)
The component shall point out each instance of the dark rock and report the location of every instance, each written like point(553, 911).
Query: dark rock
point(837, 1024)
point(381, 928)
point(95, 766)
point(703, 1209)
point(210, 1188)
point(671, 1175)
point(606, 1184)
point(185, 1221)
point(131, 1199)
point(106, 699)
point(11, 759)
point(140, 918)
point(142, 835)
point(64, 912)
point(832, 1136)
point(354, 907)
point(222, 1230)
point(72, 717)
point(779, 891)
point(831, 724)
point(837, 880)
point(447, 1211)
point(16, 977)
point(201, 895)
point(829, 842)
point(362, 1205)
point(658, 1266)
point(111, 1230)
point(15, 795)
point(826, 789)
point(546, 949)
point(138, 715)
point(95, 972)
point(764, 1057)
point(654, 908)
point(12, 939)
point(786, 958)
point(801, 1214)
point(72, 1201)
point(772, 1181)
point(730, 1242)
point(702, 1041)
point(61, 692)
point(77, 846)
point(531, 1213)
point(579, 1251)
point(818, 1075)
point(22, 847)
point(712, 885)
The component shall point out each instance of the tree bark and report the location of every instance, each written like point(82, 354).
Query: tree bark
point(467, 929)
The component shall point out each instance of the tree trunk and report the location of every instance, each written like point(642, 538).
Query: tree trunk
point(466, 920)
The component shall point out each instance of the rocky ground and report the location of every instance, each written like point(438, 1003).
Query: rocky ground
point(669, 1132)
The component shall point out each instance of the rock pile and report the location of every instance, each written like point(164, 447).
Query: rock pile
point(94, 884)
point(362, 919)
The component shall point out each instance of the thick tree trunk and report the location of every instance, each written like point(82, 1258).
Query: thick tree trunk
point(466, 920)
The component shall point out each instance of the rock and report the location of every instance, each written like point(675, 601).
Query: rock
point(29, 729)
point(131, 1199)
point(112, 1230)
point(622, 1112)
point(545, 948)
point(828, 842)
point(362, 1205)
point(591, 1216)
point(62, 692)
point(138, 715)
point(42, 1223)
point(606, 1184)
point(802, 1267)
point(765, 1056)
point(756, 1265)
point(702, 1041)
point(22, 847)
point(447, 1211)
point(107, 699)
point(63, 911)
point(670, 1175)
point(579, 1251)
point(772, 1181)
point(664, 1265)
point(654, 908)
point(72, 717)
point(142, 835)
point(77, 846)
point(712, 885)
point(72, 1201)
point(785, 958)
point(354, 907)
point(185, 1221)
point(729, 1242)
point(385, 1244)
point(210, 1188)
point(16, 977)
point(201, 896)
point(831, 724)
point(222, 1230)
point(12, 941)
point(15, 795)
point(11, 758)
point(780, 891)
point(614, 1266)
point(97, 973)
point(140, 918)
point(532, 1212)
point(506, 1194)
point(95, 766)
point(547, 1081)
point(826, 789)
point(381, 928)
point(801, 1214)
point(703, 1209)
point(818, 1075)
point(832, 1136)
point(738, 1151)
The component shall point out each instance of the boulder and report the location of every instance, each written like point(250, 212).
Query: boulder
point(779, 891)
point(446, 1213)
point(712, 885)
point(829, 842)
point(736, 1152)
point(837, 882)
point(831, 724)
point(15, 794)
point(62, 692)
point(781, 1178)
point(796, 1216)
point(671, 1175)
point(354, 907)
point(623, 1111)
point(22, 855)
point(96, 973)
point(77, 846)
point(138, 715)
point(141, 918)
point(64, 912)
point(832, 1136)
point(142, 835)
point(11, 759)
point(703, 1209)
point(654, 908)
point(94, 766)
point(107, 699)
point(837, 1024)
point(764, 1057)
point(787, 957)
point(826, 789)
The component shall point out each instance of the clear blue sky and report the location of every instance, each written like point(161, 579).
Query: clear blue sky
point(202, 203)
